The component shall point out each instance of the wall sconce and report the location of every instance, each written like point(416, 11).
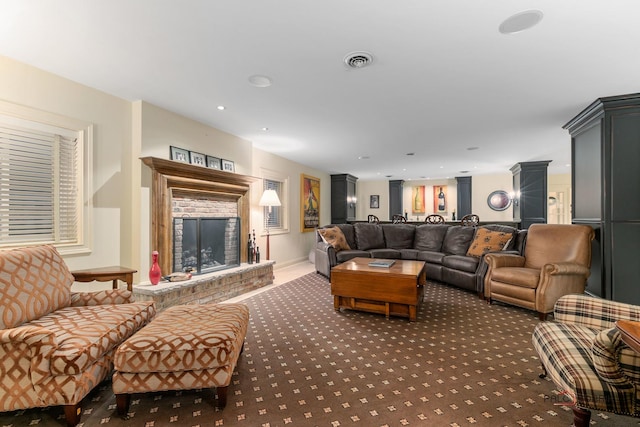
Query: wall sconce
point(515, 197)
point(351, 201)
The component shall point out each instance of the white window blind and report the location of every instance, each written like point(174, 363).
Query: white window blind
point(40, 179)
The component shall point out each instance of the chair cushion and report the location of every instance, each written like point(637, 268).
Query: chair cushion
point(518, 276)
point(334, 237)
point(486, 240)
point(368, 236)
point(86, 334)
point(34, 282)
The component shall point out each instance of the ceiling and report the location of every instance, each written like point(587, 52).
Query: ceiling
point(444, 83)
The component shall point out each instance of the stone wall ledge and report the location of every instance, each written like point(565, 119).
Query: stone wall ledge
point(207, 288)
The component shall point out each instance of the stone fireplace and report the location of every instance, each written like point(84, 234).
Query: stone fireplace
point(183, 191)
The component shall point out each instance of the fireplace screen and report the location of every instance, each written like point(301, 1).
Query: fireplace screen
point(203, 245)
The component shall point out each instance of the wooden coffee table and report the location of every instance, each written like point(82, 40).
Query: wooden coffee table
point(395, 290)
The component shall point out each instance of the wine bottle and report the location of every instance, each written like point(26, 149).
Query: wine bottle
point(257, 254)
point(250, 250)
point(441, 201)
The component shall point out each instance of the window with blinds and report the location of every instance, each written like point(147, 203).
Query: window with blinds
point(275, 219)
point(40, 183)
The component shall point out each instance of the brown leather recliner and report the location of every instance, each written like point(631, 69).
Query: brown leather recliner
point(556, 262)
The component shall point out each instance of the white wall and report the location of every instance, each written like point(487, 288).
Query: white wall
point(481, 187)
point(112, 227)
point(126, 131)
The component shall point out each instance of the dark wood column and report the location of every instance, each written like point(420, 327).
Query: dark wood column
point(395, 198)
point(464, 196)
point(530, 186)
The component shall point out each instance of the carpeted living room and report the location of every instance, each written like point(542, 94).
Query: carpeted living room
point(338, 213)
point(463, 362)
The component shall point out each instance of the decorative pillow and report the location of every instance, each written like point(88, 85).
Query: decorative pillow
point(488, 241)
point(334, 237)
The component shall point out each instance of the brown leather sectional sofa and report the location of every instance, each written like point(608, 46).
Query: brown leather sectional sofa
point(442, 246)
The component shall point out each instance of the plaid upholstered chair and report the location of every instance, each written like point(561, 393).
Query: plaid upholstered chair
point(582, 352)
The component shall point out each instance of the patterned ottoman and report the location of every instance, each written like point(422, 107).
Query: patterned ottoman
point(184, 347)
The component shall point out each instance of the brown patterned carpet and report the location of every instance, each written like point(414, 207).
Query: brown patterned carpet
point(463, 363)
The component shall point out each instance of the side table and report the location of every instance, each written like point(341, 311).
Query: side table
point(629, 333)
point(104, 274)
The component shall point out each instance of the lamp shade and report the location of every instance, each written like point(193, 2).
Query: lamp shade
point(269, 198)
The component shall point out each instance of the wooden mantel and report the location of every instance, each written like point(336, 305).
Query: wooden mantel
point(169, 176)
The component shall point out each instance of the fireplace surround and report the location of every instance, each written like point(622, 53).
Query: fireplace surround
point(182, 180)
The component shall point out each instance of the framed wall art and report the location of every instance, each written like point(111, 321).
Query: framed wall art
point(197, 158)
point(439, 199)
point(309, 203)
point(228, 165)
point(179, 154)
point(213, 162)
point(417, 199)
point(374, 201)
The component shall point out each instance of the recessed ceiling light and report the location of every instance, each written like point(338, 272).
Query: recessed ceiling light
point(464, 171)
point(265, 129)
point(258, 80)
point(472, 148)
point(411, 154)
point(363, 157)
point(520, 21)
point(220, 107)
point(388, 176)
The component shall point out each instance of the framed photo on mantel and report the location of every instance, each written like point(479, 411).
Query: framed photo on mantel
point(213, 163)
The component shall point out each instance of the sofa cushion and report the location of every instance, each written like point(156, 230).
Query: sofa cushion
point(334, 237)
point(457, 239)
point(86, 334)
point(430, 257)
point(486, 240)
point(34, 282)
point(368, 236)
point(349, 234)
point(385, 253)
point(343, 256)
point(461, 262)
point(398, 236)
point(429, 237)
point(411, 254)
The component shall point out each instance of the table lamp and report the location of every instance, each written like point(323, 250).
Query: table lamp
point(269, 198)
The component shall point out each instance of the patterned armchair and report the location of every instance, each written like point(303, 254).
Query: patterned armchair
point(582, 352)
point(56, 345)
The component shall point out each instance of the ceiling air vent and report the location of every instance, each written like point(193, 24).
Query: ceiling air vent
point(358, 59)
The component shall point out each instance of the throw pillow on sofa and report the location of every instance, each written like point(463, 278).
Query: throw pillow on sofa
point(488, 241)
point(334, 237)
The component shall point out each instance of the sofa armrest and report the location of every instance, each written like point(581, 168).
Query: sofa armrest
point(557, 280)
point(614, 361)
point(111, 296)
point(593, 312)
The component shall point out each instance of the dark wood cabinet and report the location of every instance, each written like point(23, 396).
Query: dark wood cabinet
point(343, 198)
point(605, 150)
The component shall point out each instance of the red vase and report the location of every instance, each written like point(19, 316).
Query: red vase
point(155, 274)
